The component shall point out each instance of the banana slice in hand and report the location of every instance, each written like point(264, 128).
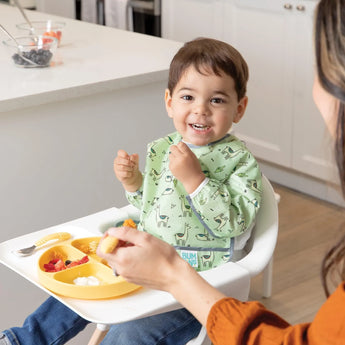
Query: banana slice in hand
point(109, 244)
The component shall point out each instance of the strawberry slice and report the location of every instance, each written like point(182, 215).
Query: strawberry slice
point(49, 267)
point(83, 260)
point(59, 266)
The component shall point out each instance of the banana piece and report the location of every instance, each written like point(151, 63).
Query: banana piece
point(109, 244)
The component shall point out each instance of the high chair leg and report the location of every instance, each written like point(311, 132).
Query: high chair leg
point(99, 334)
point(267, 280)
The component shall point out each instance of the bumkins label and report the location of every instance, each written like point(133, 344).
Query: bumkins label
point(190, 256)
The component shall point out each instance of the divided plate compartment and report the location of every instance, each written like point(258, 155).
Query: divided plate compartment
point(62, 282)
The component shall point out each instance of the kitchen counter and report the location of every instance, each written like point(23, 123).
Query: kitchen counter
point(94, 59)
point(61, 127)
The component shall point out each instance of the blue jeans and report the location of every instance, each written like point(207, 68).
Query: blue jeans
point(54, 324)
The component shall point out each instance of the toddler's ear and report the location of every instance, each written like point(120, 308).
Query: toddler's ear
point(168, 102)
point(241, 108)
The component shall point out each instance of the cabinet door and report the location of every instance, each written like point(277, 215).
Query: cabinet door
point(260, 30)
point(184, 20)
point(311, 142)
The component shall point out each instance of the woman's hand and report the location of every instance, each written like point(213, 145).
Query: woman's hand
point(185, 166)
point(126, 168)
point(148, 261)
point(143, 259)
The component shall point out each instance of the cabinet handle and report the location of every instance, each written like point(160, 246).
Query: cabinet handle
point(300, 8)
point(288, 6)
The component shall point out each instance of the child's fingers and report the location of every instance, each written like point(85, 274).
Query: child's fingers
point(119, 161)
point(134, 158)
point(174, 150)
point(182, 147)
point(123, 154)
point(124, 159)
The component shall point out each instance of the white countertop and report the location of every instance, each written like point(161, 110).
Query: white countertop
point(94, 58)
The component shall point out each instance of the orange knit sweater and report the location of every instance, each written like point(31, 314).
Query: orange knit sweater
point(232, 322)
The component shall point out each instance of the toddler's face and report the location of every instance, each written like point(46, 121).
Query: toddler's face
point(204, 106)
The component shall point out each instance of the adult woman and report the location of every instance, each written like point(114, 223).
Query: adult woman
point(229, 321)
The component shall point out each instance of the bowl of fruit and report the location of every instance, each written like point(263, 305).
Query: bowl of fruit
point(48, 28)
point(32, 51)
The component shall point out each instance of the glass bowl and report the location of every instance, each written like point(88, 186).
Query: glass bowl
point(44, 28)
point(33, 51)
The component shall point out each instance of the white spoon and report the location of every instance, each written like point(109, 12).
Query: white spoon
point(61, 236)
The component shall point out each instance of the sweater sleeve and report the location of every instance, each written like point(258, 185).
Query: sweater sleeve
point(232, 322)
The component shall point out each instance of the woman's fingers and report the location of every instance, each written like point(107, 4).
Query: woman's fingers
point(131, 235)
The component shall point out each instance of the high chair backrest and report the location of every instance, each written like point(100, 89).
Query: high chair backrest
point(261, 245)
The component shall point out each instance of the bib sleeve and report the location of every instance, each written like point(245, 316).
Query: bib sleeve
point(229, 207)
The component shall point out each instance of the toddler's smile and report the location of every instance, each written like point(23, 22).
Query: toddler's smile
point(199, 127)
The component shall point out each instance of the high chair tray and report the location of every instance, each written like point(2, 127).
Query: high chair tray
point(82, 266)
point(140, 303)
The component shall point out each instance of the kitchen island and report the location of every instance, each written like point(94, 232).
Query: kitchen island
point(60, 129)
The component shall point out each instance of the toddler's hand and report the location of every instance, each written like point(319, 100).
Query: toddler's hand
point(185, 166)
point(126, 168)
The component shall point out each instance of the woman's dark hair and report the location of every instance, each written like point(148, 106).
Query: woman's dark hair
point(330, 64)
point(209, 55)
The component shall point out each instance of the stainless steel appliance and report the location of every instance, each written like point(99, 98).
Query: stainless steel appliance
point(146, 16)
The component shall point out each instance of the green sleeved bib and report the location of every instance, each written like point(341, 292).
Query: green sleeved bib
point(201, 226)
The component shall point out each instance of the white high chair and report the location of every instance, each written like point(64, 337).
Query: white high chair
point(259, 257)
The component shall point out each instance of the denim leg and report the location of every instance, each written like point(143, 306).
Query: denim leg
point(51, 324)
point(172, 328)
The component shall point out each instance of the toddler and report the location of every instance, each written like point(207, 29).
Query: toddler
point(202, 187)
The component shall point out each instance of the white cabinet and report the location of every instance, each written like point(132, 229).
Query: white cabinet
point(261, 35)
point(311, 149)
point(282, 125)
point(184, 20)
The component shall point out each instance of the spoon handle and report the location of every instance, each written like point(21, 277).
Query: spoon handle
point(9, 35)
point(17, 3)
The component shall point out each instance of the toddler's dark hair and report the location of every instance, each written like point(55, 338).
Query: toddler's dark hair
point(209, 55)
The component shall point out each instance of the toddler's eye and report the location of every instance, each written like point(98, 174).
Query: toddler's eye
point(217, 100)
point(187, 97)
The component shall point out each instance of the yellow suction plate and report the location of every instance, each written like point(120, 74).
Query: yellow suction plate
point(62, 282)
